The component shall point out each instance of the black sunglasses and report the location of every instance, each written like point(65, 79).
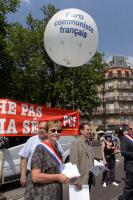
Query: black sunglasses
point(56, 130)
point(131, 129)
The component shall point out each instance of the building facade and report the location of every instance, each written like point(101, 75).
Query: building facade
point(116, 96)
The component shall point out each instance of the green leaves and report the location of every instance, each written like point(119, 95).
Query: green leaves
point(7, 6)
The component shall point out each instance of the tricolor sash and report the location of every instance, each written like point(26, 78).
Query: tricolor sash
point(52, 152)
point(129, 137)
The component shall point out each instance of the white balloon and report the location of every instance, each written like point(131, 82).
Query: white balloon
point(71, 37)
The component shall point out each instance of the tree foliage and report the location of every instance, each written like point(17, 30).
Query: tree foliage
point(6, 63)
point(37, 79)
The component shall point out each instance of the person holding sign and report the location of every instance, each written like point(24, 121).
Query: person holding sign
point(81, 154)
point(45, 182)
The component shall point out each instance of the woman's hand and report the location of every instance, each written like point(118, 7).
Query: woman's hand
point(63, 179)
point(104, 161)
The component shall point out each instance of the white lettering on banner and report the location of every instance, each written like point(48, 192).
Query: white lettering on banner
point(7, 107)
point(30, 127)
point(39, 111)
point(69, 121)
point(24, 109)
point(2, 122)
point(34, 126)
point(26, 128)
point(12, 108)
point(3, 106)
point(11, 128)
point(31, 111)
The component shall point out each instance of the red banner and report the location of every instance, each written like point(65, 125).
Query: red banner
point(21, 119)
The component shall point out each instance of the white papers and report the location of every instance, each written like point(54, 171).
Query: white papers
point(79, 194)
point(69, 170)
point(98, 167)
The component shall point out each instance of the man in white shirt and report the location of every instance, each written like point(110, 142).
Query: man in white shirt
point(27, 151)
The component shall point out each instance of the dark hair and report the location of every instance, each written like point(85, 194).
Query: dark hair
point(119, 130)
point(82, 125)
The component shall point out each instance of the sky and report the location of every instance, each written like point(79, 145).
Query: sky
point(113, 19)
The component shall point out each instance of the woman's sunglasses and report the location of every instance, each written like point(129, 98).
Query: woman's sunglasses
point(56, 130)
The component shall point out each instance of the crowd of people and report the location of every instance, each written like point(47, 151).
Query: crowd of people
point(42, 157)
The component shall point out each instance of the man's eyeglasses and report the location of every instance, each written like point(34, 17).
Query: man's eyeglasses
point(56, 130)
point(131, 129)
